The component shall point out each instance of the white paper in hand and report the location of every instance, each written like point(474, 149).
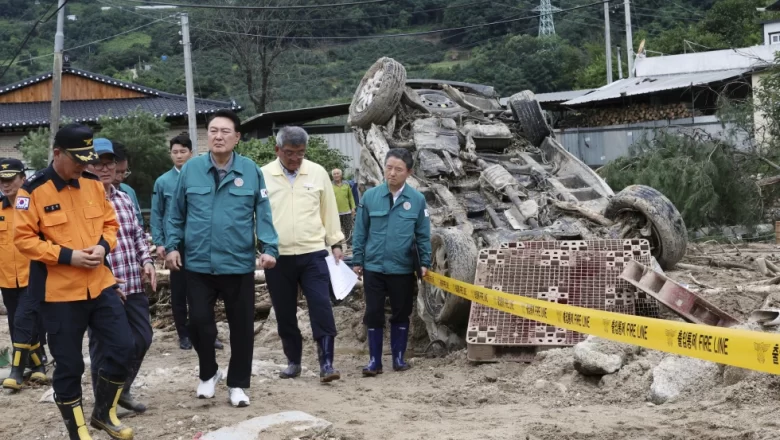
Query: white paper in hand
point(341, 278)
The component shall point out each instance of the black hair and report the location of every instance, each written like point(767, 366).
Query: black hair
point(183, 140)
point(120, 151)
point(402, 154)
point(225, 113)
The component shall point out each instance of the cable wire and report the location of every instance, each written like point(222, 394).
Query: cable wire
point(29, 34)
point(242, 7)
point(406, 34)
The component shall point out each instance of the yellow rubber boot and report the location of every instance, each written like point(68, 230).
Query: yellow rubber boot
point(104, 417)
point(38, 369)
point(73, 415)
point(15, 380)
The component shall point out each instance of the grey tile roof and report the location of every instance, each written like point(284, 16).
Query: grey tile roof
point(157, 102)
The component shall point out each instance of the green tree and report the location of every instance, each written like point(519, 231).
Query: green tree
point(145, 137)
point(35, 148)
point(262, 152)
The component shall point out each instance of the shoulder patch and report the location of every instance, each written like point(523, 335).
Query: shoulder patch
point(23, 203)
point(426, 212)
point(264, 193)
point(35, 181)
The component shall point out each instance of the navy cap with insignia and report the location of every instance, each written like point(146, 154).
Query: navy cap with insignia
point(9, 168)
point(76, 139)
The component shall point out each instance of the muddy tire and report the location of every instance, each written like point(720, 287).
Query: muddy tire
point(529, 115)
point(378, 94)
point(669, 238)
point(453, 254)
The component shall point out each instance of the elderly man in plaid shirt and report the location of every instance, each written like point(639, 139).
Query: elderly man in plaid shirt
point(127, 261)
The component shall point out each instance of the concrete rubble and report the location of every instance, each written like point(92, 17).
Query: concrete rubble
point(295, 423)
point(597, 357)
point(676, 374)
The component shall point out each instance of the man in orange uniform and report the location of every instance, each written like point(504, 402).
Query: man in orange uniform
point(23, 316)
point(66, 226)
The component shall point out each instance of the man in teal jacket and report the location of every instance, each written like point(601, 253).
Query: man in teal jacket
point(220, 200)
point(392, 224)
point(162, 194)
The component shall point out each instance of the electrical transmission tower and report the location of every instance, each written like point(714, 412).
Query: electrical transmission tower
point(546, 23)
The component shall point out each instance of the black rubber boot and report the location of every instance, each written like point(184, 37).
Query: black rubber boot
point(126, 399)
point(293, 351)
point(375, 340)
point(73, 416)
point(37, 366)
point(15, 380)
point(325, 354)
point(104, 414)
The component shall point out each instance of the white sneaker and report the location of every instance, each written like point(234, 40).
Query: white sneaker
point(206, 388)
point(238, 397)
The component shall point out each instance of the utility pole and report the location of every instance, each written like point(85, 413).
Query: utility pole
point(191, 115)
point(56, 77)
point(608, 41)
point(620, 64)
point(629, 39)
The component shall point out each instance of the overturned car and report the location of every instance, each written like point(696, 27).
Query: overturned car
point(493, 174)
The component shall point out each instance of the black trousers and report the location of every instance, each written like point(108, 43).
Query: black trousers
point(347, 223)
point(25, 323)
point(400, 290)
point(137, 311)
point(238, 293)
point(66, 322)
point(310, 271)
point(179, 300)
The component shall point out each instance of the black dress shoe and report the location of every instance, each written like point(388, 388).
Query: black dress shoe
point(185, 344)
point(218, 344)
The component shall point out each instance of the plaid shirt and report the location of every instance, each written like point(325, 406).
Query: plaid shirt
point(132, 250)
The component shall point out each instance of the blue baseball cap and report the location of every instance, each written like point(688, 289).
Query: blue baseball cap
point(103, 146)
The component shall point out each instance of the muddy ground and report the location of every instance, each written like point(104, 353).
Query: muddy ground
point(449, 397)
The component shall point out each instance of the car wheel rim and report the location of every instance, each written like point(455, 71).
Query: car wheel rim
point(368, 91)
point(437, 297)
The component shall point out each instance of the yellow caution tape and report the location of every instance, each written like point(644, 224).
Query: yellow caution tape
point(740, 348)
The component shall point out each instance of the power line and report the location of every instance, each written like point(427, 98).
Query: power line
point(98, 41)
point(29, 34)
point(406, 34)
point(240, 7)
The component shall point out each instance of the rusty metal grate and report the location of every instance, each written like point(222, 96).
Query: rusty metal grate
point(580, 273)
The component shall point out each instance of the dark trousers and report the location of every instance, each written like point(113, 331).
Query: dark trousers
point(137, 311)
point(179, 300)
point(66, 322)
point(399, 288)
point(25, 322)
point(310, 271)
point(346, 226)
point(238, 294)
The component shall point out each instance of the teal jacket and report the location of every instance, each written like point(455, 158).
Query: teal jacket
point(220, 220)
point(127, 189)
point(383, 236)
point(162, 194)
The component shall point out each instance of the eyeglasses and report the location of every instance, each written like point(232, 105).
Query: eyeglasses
point(292, 154)
point(104, 166)
point(126, 174)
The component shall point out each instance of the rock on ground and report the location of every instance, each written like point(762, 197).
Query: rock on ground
point(676, 374)
point(297, 422)
point(597, 357)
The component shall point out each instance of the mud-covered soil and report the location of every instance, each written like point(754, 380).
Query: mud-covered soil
point(445, 398)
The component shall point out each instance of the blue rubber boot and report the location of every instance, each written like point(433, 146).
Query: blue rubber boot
point(375, 340)
point(399, 334)
point(325, 353)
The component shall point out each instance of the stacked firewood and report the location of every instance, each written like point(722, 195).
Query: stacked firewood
point(599, 117)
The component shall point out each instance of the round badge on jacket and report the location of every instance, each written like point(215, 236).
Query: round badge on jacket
point(239, 182)
point(407, 206)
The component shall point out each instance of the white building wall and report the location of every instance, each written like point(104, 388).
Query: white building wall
point(771, 31)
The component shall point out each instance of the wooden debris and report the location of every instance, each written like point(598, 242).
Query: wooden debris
point(772, 266)
point(684, 266)
point(724, 264)
point(746, 288)
point(706, 286)
point(593, 216)
point(762, 267)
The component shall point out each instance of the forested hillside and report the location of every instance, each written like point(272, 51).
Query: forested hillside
point(276, 59)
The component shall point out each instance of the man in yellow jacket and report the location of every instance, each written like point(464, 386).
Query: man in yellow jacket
point(306, 218)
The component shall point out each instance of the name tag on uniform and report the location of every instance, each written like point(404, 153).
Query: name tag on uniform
point(51, 208)
point(308, 185)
